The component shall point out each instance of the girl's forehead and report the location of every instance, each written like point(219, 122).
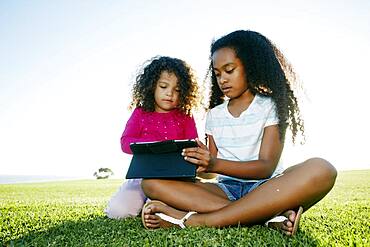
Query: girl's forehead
point(223, 56)
point(167, 76)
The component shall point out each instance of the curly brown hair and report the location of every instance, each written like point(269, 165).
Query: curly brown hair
point(268, 73)
point(147, 78)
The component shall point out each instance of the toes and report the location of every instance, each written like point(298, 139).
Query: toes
point(288, 224)
point(285, 227)
point(153, 222)
point(290, 214)
point(152, 225)
point(292, 217)
point(152, 209)
point(151, 217)
point(147, 210)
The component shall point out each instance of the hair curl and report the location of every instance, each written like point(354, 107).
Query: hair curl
point(268, 73)
point(148, 76)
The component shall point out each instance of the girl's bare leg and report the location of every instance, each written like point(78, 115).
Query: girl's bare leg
point(185, 195)
point(301, 185)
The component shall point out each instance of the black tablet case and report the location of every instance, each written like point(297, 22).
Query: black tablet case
point(161, 160)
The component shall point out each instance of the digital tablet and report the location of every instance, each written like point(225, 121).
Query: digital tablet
point(161, 160)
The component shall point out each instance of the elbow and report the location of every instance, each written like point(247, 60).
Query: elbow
point(266, 174)
point(125, 145)
point(126, 149)
point(267, 169)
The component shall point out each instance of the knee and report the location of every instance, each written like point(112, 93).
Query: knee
point(150, 187)
point(322, 171)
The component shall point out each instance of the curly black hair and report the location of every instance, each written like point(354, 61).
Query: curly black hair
point(268, 73)
point(148, 76)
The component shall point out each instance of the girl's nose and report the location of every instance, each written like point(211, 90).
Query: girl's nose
point(223, 79)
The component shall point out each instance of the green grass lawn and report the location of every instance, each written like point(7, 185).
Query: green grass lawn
point(71, 214)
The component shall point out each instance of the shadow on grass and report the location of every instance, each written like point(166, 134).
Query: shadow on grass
point(101, 231)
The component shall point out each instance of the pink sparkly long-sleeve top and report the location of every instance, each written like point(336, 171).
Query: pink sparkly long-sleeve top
point(145, 126)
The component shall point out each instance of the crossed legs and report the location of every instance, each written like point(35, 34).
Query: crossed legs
point(302, 185)
point(196, 196)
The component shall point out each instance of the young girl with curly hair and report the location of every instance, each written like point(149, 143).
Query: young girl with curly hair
point(252, 104)
point(164, 93)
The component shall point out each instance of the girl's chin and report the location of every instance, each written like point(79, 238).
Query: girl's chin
point(164, 110)
point(230, 95)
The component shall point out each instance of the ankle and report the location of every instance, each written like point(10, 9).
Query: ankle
point(196, 220)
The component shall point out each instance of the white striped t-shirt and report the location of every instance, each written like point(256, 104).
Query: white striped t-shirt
point(239, 138)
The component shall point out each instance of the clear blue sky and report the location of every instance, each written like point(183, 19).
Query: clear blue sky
point(66, 68)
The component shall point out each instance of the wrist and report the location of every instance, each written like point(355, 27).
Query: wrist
point(212, 164)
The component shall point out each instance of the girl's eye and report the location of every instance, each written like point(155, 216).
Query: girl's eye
point(162, 86)
point(177, 90)
point(229, 71)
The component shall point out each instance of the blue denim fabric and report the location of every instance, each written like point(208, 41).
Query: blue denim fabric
point(235, 189)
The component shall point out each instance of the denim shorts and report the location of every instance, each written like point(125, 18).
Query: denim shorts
point(235, 189)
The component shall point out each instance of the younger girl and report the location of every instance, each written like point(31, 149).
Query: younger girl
point(252, 104)
point(164, 93)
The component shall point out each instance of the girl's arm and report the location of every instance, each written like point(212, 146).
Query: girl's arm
point(190, 128)
point(132, 132)
point(271, 149)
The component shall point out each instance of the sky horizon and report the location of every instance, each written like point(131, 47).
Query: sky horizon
point(67, 68)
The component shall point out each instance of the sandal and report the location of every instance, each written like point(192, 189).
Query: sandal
point(297, 219)
point(281, 218)
point(178, 222)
